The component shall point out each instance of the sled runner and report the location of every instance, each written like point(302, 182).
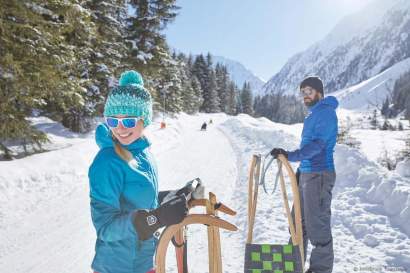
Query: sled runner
point(274, 258)
point(213, 223)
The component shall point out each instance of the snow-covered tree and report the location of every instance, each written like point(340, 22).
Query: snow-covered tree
point(42, 46)
point(109, 56)
point(145, 33)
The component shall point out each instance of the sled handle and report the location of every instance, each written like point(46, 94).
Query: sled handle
point(253, 188)
point(218, 206)
point(169, 232)
point(295, 227)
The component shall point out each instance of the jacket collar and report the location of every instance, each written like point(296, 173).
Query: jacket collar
point(329, 100)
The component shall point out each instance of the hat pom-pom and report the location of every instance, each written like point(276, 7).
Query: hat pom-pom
point(131, 77)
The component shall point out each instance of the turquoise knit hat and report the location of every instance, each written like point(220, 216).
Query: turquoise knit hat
point(130, 98)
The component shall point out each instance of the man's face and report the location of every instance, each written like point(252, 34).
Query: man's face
point(310, 95)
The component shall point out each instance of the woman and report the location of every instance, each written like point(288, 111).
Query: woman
point(123, 184)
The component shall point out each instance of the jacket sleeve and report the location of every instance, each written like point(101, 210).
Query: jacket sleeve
point(106, 184)
point(321, 132)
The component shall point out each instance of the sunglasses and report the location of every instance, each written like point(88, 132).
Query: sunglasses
point(306, 91)
point(128, 122)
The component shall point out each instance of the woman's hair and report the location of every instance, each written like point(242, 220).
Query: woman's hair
point(123, 153)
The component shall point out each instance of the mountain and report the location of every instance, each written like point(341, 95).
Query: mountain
point(239, 74)
point(372, 92)
point(359, 47)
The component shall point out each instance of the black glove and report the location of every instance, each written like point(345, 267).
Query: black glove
point(169, 213)
point(278, 151)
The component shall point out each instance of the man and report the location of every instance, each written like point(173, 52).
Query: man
point(316, 173)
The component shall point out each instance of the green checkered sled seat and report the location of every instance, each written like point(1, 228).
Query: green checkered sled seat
point(265, 258)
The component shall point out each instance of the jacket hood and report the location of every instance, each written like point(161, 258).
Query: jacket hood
point(104, 139)
point(329, 100)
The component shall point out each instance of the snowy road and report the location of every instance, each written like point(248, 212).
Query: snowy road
point(45, 224)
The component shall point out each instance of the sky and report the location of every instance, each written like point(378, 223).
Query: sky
point(261, 34)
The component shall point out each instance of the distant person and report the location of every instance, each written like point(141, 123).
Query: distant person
point(203, 127)
point(210, 121)
point(316, 174)
point(126, 208)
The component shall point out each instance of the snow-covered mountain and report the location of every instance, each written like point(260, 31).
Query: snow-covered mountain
point(360, 46)
point(239, 74)
point(371, 93)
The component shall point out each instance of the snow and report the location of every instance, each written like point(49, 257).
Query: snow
point(403, 168)
point(102, 68)
point(378, 144)
point(142, 56)
point(40, 10)
point(45, 224)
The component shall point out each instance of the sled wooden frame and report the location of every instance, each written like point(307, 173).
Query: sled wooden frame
point(213, 223)
point(253, 187)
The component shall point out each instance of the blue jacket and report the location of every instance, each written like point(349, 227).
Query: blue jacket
point(116, 190)
point(318, 138)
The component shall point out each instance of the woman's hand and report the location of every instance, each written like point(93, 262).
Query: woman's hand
point(169, 213)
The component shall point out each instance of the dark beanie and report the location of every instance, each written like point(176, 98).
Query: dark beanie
point(314, 82)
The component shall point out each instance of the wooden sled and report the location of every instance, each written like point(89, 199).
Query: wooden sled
point(213, 223)
point(274, 257)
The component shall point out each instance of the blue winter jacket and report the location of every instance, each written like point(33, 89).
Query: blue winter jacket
point(318, 138)
point(116, 190)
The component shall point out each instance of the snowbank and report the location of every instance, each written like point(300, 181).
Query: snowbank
point(403, 168)
point(377, 185)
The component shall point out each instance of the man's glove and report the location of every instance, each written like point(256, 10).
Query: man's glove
point(170, 213)
point(278, 151)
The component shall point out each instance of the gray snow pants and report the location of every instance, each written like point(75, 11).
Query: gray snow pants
point(316, 197)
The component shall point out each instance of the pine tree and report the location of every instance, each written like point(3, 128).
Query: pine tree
point(191, 92)
point(79, 38)
point(144, 33)
point(400, 126)
point(169, 86)
point(109, 57)
point(401, 95)
point(385, 125)
point(231, 100)
point(246, 99)
point(222, 82)
point(385, 111)
point(279, 108)
point(196, 101)
point(211, 100)
point(203, 70)
point(41, 48)
point(200, 71)
point(374, 122)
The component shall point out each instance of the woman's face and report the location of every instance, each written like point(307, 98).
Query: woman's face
point(128, 135)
